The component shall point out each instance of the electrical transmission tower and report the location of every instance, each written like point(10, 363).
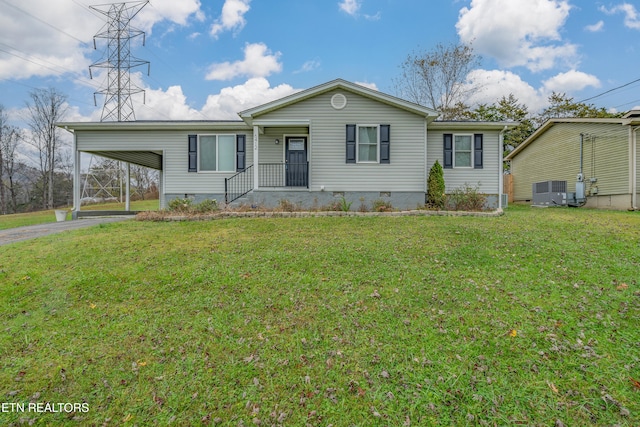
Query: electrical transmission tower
point(118, 105)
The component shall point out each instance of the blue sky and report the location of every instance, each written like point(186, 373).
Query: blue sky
point(213, 58)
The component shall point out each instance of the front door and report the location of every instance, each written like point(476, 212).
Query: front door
point(296, 165)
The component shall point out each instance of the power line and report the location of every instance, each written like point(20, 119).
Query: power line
point(42, 21)
point(608, 91)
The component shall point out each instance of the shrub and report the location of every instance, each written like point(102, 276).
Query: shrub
point(363, 206)
point(180, 205)
point(344, 205)
point(466, 198)
point(287, 206)
point(207, 205)
point(188, 207)
point(435, 187)
point(380, 205)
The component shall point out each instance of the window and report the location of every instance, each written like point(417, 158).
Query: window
point(462, 150)
point(217, 153)
point(367, 143)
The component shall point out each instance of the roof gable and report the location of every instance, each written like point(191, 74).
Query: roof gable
point(252, 113)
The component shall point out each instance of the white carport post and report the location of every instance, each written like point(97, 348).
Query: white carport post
point(256, 174)
point(127, 203)
point(77, 156)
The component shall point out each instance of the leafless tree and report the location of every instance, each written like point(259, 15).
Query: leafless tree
point(47, 107)
point(436, 78)
point(9, 137)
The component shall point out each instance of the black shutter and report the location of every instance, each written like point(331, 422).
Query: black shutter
point(448, 151)
point(477, 151)
point(193, 153)
point(351, 143)
point(241, 152)
point(385, 152)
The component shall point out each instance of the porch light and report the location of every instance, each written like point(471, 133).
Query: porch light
point(277, 141)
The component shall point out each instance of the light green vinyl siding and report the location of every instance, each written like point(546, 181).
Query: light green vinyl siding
point(173, 145)
point(555, 155)
point(327, 152)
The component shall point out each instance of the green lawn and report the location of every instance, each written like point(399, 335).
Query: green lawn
point(43, 217)
point(530, 318)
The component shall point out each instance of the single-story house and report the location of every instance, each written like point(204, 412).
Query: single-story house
point(603, 150)
point(335, 140)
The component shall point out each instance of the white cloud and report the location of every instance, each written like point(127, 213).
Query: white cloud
point(517, 32)
point(368, 85)
point(166, 105)
point(172, 103)
point(232, 17)
point(178, 12)
point(494, 84)
point(598, 26)
point(631, 15)
point(571, 81)
point(375, 17)
point(350, 7)
point(54, 37)
point(308, 66)
point(258, 62)
point(232, 100)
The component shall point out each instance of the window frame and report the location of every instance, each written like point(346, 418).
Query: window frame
point(217, 143)
point(377, 126)
point(454, 150)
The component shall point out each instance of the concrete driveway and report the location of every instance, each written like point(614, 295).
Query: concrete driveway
point(13, 235)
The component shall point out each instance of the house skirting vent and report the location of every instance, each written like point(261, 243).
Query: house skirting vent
point(550, 193)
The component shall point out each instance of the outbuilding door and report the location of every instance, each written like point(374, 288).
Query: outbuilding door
point(296, 164)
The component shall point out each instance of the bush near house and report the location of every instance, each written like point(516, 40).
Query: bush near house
point(465, 198)
point(436, 187)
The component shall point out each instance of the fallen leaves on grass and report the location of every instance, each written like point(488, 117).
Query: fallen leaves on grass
point(635, 383)
point(622, 286)
point(513, 333)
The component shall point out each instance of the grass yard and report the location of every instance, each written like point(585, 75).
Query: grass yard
point(531, 318)
point(43, 217)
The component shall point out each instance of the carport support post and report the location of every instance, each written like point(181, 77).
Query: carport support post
point(127, 203)
point(256, 173)
point(77, 156)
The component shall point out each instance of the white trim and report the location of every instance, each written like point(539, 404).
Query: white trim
point(500, 165)
point(471, 152)
point(339, 101)
point(256, 158)
point(127, 203)
point(377, 161)
point(77, 160)
point(425, 172)
point(283, 122)
point(634, 170)
point(162, 182)
point(217, 141)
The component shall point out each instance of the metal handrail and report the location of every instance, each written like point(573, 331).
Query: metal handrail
point(238, 185)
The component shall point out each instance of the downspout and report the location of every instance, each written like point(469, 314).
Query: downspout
point(501, 168)
point(634, 168)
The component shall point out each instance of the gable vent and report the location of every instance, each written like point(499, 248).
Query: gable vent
point(338, 101)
